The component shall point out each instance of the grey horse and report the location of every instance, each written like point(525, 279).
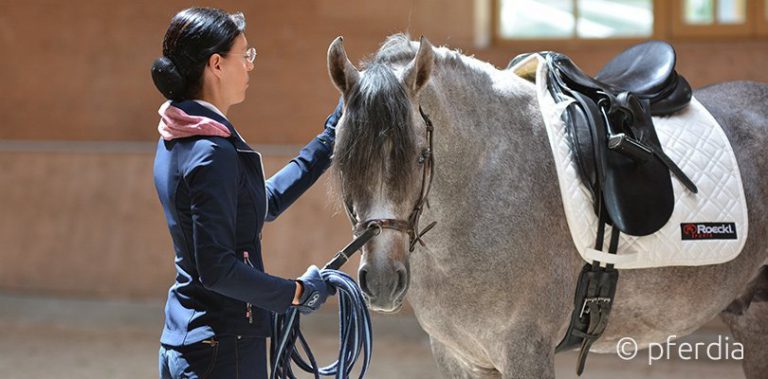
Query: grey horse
point(494, 284)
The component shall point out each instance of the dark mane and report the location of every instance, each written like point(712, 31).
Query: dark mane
point(377, 146)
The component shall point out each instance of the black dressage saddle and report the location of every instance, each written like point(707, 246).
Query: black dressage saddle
point(609, 126)
point(620, 160)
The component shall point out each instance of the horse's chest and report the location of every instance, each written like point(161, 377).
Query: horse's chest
point(446, 310)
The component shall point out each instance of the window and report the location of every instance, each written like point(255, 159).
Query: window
point(520, 20)
point(542, 19)
point(709, 12)
point(712, 18)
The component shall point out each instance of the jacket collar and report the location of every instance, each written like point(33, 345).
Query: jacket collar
point(195, 109)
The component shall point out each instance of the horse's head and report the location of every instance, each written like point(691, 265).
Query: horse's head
point(382, 159)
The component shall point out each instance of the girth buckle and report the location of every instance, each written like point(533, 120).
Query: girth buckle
point(591, 302)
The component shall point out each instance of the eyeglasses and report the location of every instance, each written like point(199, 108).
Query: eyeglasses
point(250, 54)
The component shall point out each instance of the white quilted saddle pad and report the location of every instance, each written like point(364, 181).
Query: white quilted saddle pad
point(705, 228)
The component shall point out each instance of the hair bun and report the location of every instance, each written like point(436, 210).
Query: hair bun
point(168, 79)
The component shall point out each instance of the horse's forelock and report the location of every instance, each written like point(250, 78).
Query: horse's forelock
point(377, 147)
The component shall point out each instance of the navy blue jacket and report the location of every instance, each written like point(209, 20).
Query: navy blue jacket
point(216, 200)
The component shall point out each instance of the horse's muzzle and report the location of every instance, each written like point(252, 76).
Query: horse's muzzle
point(384, 288)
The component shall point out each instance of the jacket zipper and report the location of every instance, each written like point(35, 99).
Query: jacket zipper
point(263, 176)
point(248, 307)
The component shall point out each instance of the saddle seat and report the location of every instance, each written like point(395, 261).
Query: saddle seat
point(610, 129)
point(646, 70)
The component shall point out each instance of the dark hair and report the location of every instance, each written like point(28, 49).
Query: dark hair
point(193, 36)
point(378, 146)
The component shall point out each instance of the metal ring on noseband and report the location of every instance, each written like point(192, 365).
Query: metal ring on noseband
point(410, 227)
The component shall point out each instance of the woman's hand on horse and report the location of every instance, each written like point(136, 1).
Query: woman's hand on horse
point(333, 118)
point(328, 136)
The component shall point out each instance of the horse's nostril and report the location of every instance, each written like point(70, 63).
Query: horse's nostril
point(364, 282)
point(402, 282)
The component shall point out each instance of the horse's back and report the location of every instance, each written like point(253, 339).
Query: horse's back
point(741, 101)
point(741, 109)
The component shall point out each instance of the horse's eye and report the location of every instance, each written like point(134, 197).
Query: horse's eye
point(423, 156)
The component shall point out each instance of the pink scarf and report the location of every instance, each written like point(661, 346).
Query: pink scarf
point(175, 123)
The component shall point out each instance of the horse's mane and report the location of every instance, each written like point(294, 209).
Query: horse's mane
point(399, 49)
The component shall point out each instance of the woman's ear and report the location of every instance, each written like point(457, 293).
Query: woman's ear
point(214, 64)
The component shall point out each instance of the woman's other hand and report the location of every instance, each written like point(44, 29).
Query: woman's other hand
point(314, 291)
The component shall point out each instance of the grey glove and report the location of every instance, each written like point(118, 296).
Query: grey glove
point(333, 118)
point(316, 291)
point(328, 136)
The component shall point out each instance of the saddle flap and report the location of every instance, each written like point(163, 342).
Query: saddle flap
point(577, 121)
point(637, 196)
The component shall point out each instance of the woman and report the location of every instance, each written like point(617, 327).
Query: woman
point(212, 188)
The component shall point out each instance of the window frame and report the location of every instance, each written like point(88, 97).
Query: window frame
point(761, 17)
point(668, 24)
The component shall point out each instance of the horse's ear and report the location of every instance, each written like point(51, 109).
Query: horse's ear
point(418, 71)
point(343, 74)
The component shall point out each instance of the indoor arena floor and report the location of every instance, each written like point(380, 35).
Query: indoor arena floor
point(70, 338)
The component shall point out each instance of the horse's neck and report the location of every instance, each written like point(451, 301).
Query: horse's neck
point(479, 98)
point(487, 124)
point(479, 107)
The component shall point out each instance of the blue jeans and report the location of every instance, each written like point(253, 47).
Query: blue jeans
point(230, 357)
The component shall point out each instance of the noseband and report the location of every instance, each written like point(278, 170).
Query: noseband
point(410, 226)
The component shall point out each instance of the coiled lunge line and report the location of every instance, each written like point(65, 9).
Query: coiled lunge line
point(355, 334)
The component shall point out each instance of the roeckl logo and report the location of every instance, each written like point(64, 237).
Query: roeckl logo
point(708, 231)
